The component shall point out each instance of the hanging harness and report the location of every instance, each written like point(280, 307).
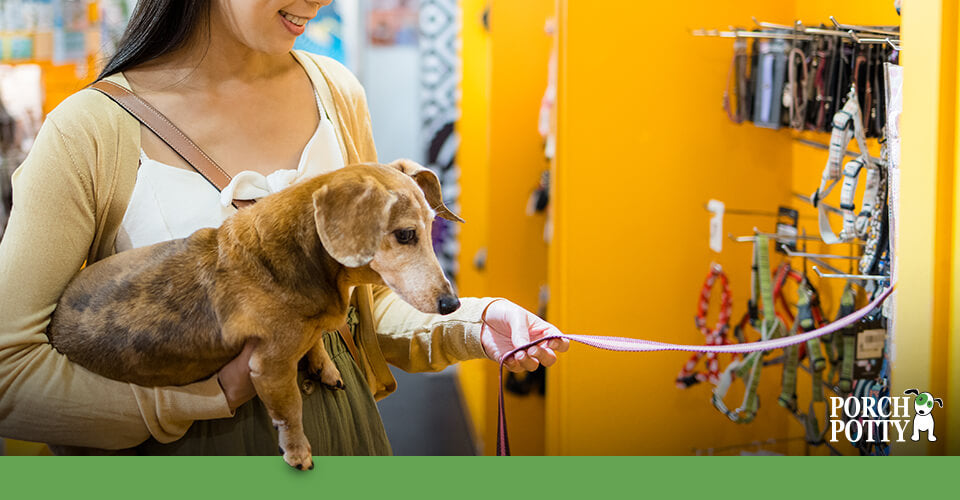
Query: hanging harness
point(688, 376)
point(847, 125)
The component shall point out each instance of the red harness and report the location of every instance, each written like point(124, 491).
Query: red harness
point(717, 336)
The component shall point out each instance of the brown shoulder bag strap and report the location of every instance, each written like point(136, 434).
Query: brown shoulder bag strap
point(169, 133)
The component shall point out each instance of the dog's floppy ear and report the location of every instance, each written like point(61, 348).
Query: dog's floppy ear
point(911, 391)
point(351, 218)
point(429, 184)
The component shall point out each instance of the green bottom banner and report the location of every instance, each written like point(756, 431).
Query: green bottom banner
point(475, 477)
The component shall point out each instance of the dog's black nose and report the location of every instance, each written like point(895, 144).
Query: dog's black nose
point(448, 304)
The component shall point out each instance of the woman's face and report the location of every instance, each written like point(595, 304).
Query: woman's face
point(269, 26)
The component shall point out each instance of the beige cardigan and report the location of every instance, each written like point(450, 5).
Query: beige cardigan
point(70, 195)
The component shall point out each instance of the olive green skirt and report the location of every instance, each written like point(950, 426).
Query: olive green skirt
point(336, 422)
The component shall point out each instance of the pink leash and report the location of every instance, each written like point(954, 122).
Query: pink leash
point(640, 345)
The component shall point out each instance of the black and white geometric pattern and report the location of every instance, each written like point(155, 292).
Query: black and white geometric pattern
point(439, 80)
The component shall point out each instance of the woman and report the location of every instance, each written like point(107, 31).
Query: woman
point(222, 71)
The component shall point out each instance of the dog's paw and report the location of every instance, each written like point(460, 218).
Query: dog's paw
point(331, 378)
point(298, 457)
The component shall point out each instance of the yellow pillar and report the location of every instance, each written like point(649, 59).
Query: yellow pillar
point(926, 251)
point(501, 159)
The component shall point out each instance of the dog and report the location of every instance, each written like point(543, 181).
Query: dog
point(922, 419)
point(278, 273)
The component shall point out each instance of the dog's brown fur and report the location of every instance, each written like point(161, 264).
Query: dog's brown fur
point(279, 272)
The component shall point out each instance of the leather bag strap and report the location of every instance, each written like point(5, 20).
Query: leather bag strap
point(347, 335)
point(169, 133)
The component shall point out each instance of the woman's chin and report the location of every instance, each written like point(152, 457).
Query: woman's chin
point(276, 46)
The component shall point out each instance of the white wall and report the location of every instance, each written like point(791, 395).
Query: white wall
point(390, 76)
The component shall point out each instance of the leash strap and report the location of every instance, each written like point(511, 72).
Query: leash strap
point(785, 272)
point(849, 337)
point(796, 98)
point(626, 344)
point(688, 376)
point(807, 320)
point(791, 361)
point(169, 133)
point(736, 78)
point(825, 59)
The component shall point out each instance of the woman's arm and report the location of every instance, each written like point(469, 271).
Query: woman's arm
point(43, 396)
point(487, 328)
point(421, 342)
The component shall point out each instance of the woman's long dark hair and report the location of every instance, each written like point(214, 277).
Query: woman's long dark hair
point(156, 28)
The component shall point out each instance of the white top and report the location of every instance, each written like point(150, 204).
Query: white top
point(169, 202)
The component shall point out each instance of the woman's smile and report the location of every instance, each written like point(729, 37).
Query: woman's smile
point(294, 24)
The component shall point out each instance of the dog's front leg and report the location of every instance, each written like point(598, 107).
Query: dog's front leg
point(322, 367)
point(275, 379)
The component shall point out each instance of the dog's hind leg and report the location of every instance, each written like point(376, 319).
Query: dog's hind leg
point(275, 380)
point(322, 367)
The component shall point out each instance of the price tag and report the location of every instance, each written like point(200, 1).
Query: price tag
point(716, 225)
point(870, 343)
point(787, 228)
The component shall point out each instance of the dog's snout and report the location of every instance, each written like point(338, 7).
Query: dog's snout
point(448, 304)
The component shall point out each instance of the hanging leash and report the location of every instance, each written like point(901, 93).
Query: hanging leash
point(849, 340)
point(639, 345)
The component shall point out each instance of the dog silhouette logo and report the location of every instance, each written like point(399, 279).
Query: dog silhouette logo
point(922, 419)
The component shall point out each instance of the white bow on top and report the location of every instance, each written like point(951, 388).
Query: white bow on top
point(321, 155)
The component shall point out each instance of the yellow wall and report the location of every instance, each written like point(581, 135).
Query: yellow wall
point(953, 371)
point(643, 143)
point(501, 158)
point(476, 377)
point(516, 257)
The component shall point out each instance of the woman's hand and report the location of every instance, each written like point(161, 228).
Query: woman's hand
point(507, 326)
point(234, 378)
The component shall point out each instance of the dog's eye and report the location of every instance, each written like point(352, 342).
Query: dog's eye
point(405, 236)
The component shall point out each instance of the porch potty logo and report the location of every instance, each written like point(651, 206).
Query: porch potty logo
point(883, 420)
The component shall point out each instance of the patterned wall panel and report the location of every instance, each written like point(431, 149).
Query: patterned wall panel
point(439, 81)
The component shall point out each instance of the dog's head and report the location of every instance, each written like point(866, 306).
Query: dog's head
point(381, 216)
point(923, 402)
